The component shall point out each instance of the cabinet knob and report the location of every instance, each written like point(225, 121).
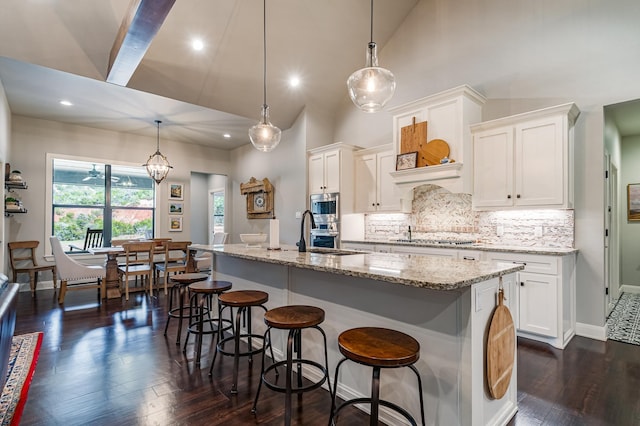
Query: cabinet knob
point(522, 283)
point(377, 204)
point(373, 204)
point(509, 196)
point(518, 196)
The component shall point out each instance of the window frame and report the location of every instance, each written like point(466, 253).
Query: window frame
point(50, 157)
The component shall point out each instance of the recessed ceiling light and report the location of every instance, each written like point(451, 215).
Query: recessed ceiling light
point(197, 44)
point(226, 135)
point(65, 103)
point(294, 81)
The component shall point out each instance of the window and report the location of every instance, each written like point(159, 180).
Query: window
point(115, 198)
point(218, 211)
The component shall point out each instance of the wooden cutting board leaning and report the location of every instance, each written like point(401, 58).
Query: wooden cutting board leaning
point(413, 138)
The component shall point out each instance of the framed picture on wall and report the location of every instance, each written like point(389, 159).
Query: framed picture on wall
point(175, 223)
point(175, 208)
point(175, 191)
point(633, 202)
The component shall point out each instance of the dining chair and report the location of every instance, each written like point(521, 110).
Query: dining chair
point(92, 239)
point(176, 259)
point(68, 269)
point(138, 262)
point(22, 256)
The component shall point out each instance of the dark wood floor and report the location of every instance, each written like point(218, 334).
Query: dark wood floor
point(111, 364)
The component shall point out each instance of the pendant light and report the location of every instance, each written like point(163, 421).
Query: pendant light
point(157, 165)
point(371, 87)
point(264, 135)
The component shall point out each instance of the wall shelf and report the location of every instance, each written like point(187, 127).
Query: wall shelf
point(10, 186)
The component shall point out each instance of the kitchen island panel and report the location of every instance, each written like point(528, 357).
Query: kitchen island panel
point(451, 327)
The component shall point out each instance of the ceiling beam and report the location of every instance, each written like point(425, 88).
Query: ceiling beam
point(139, 26)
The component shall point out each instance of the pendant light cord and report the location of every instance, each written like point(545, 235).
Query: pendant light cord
point(264, 49)
point(371, 21)
point(158, 138)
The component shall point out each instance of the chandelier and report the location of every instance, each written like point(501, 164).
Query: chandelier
point(157, 165)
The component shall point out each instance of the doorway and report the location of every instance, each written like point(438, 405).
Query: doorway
point(611, 247)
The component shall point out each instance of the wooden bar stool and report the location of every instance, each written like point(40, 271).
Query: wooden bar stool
point(243, 301)
point(294, 318)
point(378, 348)
point(180, 283)
point(201, 304)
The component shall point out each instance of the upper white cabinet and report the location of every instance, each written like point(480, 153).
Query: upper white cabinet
point(449, 115)
point(331, 170)
point(374, 187)
point(525, 160)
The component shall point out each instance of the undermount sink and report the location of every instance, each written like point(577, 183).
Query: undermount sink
point(333, 252)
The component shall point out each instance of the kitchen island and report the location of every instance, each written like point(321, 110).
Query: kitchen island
point(445, 304)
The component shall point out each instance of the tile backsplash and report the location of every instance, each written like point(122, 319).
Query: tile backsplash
point(439, 214)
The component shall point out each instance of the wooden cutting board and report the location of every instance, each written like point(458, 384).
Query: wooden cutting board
point(434, 151)
point(501, 344)
point(412, 139)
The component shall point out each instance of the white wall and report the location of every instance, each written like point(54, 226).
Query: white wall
point(198, 212)
point(5, 143)
point(522, 55)
point(286, 169)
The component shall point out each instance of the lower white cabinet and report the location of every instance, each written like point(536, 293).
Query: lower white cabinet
point(546, 296)
point(428, 251)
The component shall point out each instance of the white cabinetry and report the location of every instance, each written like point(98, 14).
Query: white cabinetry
point(374, 187)
point(546, 296)
point(428, 251)
point(331, 170)
point(525, 160)
point(449, 115)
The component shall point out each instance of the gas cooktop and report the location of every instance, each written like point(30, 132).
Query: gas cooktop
point(436, 241)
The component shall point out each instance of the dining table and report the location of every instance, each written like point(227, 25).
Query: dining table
point(112, 276)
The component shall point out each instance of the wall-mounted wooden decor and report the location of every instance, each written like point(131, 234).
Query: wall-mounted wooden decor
point(259, 198)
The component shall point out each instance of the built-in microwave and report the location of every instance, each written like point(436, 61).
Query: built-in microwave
point(325, 207)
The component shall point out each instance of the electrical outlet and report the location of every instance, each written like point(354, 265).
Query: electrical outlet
point(500, 230)
point(538, 231)
point(298, 215)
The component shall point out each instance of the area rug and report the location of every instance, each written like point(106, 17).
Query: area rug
point(623, 323)
point(25, 349)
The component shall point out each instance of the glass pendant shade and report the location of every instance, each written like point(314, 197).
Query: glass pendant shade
point(264, 135)
point(157, 165)
point(371, 87)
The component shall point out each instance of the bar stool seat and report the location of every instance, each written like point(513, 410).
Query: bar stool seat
point(294, 318)
point(378, 348)
point(180, 283)
point(243, 301)
point(201, 301)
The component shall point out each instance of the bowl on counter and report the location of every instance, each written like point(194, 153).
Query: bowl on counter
point(253, 240)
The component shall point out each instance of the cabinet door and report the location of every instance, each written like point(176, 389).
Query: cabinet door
point(332, 171)
point(493, 168)
point(539, 153)
point(538, 303)
point(387, 197)
point(316, 174)
point(365, 196)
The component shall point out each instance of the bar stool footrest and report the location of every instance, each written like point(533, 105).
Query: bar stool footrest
point(220, 345)
point(175, 312)
point(311, 386)
point(395, 407)
point(193, 327)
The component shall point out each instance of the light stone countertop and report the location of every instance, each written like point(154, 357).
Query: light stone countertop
point(414, 270)
point(549, 251)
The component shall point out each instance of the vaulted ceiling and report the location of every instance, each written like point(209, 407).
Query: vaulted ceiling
point(52, 50)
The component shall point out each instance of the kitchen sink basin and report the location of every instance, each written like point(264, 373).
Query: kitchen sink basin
point(334, 252)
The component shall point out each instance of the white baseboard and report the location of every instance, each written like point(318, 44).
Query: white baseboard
point(591, 331)
point(630, 289)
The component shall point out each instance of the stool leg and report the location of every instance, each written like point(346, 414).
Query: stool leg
point(236, 357)
point(166, 327)
point(375, 396)
point(415, 370)
point(181, 307)
point(335, 392)
point(291, 342)
point(201, 309)
point(267, 335)
point(192, 307)
point(219, 335)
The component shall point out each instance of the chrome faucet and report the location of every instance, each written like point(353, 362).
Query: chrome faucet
point(302, 245)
